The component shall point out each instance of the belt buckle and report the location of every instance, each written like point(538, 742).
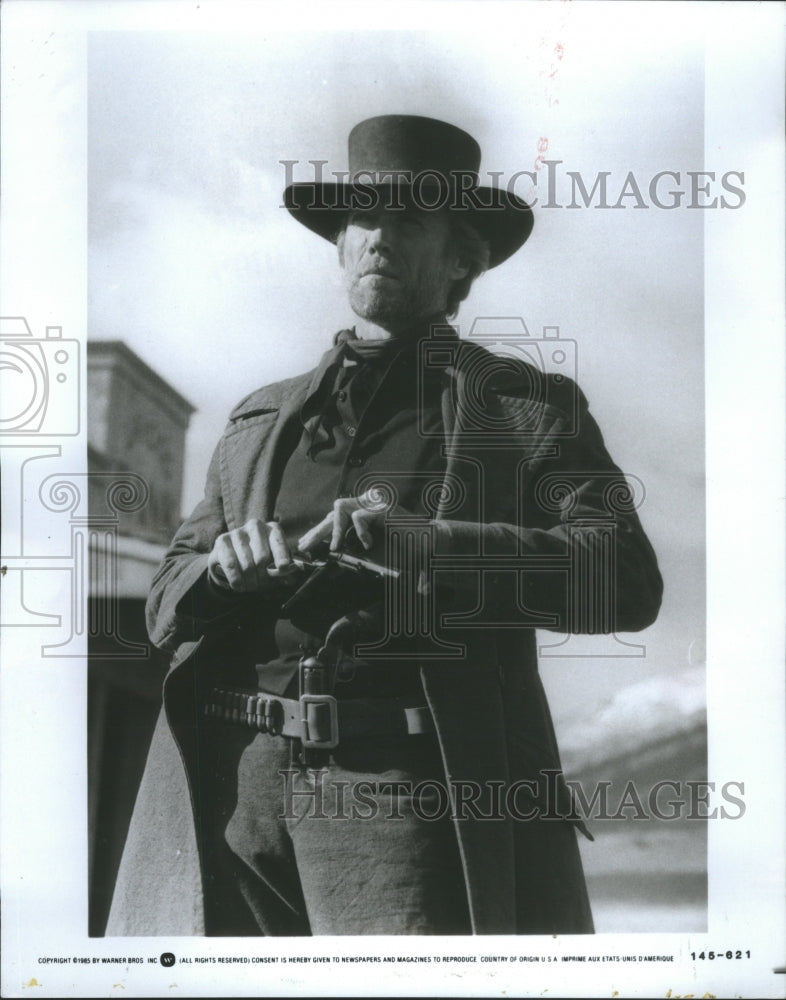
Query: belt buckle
point(326, 707)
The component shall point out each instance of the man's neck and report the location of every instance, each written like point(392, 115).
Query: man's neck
point(367, 330)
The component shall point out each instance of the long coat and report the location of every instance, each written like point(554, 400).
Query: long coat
point(529, 483)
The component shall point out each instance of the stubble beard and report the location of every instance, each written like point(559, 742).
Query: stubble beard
point(397, 307)
point(391, 309)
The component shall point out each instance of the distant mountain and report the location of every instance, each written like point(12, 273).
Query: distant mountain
point(658, 721)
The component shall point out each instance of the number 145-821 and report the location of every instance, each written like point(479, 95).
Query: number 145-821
point(711, 955)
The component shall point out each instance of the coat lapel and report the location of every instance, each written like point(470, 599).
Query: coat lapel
point(263, 432)
point(489, 432)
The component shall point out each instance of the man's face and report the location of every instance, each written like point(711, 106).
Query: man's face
point(398, 265)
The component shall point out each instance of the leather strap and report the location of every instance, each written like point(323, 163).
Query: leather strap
point(319, 720)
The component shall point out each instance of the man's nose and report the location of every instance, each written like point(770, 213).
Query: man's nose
point(381, 236)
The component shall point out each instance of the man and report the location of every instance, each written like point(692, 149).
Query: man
point(354, 698)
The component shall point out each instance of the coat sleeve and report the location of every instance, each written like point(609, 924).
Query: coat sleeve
point(572, 529)
point(182, 607)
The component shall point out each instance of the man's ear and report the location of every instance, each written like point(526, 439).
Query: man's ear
point(459, 269)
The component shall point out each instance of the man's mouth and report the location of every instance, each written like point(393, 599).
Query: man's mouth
point(379, 272)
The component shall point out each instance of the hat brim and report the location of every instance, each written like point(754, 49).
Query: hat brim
point(501, 218)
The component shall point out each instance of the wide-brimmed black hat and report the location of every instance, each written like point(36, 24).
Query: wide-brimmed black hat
point(406, 159)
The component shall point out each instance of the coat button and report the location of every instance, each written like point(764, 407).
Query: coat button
point(351, 430)
point(341, 396)
point(356, 461)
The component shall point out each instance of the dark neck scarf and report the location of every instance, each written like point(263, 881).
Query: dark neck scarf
point(355, 356)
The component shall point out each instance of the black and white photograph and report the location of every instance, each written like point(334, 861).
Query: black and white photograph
point(392, 445)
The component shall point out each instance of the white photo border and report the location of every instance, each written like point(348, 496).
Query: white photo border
point(44, 803)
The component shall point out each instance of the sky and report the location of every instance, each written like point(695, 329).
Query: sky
point(197, 267)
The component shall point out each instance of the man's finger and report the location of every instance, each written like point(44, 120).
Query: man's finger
point(224, 559)
point(363, 522)
point(256, 536)
point(378, 498)
point(216, 573)
point(253, 555)
point(342, 522)
point(279, 550)
point(317, 534)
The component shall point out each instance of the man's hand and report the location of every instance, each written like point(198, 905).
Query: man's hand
point(366, 514)
point(251, 558)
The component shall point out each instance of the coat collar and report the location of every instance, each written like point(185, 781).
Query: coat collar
point(265, 427)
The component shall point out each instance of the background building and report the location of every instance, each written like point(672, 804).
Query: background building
point(136, 439)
